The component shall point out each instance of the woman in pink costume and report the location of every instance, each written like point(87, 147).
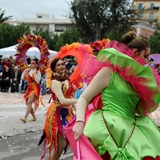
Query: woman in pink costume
point(120, 129)
point(33, 77)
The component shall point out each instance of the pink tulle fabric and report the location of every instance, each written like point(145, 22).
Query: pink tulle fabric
point(91, 66)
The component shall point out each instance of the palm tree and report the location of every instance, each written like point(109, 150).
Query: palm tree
point(2, 18)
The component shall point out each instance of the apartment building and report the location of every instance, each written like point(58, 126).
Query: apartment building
point(14, 23)
point(148, 10)
point(148, 14)
point(56, 25)
point(144, 29)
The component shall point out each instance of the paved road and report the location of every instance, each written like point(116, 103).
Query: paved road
point(24, 147)
point(18, 141)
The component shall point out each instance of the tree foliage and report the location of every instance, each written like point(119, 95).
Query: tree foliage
point(119, 31)
point(50, 37)
point(10, 33)
point(69, 36)
point(157, 25)
point(4, 18)
point(96, 18)
point(154, 42)
point(21, 29)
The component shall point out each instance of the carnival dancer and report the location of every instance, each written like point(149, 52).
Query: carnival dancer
point(121, 129)
point(60, 111)
point(33, 76)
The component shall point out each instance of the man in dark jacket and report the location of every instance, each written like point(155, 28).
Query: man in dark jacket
point(1, 72)
point(6, 77)
point(15, 79)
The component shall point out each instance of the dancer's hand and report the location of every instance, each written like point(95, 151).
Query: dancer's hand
point(78, 130)
point(27, 70)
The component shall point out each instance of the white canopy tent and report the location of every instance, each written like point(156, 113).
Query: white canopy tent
point(33, 52)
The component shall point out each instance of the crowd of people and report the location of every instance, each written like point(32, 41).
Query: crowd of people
point(10, 75)
point(110, 115)
point(152, 64)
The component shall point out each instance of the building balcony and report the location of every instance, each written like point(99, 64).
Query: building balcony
point(153, 8)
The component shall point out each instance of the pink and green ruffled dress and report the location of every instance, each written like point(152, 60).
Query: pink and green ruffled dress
point(121, 127)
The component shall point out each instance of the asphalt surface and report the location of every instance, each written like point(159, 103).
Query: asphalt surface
point(18, 140)
point(24, 147)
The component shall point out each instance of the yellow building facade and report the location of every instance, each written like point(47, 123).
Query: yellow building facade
point(148, 10)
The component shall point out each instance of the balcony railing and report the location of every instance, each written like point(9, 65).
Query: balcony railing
point(153, 8)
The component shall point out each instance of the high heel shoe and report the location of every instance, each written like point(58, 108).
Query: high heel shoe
point(23, 120)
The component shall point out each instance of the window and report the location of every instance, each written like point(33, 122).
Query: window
point(139, 15)
point(152, 6)
point(151, 16)
point(59, 30)
point(39, 16)
point(140, 7)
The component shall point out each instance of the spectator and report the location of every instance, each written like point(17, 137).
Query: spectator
point(1, 72)
point(151, 62)
point(73, 66)
point(15, 77)
point(6, 63)
point(23, 86)
point(6, 77)
point(69, 64)
point(43, 84)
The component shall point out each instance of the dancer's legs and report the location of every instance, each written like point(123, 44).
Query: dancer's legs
point(29, 108)
point(61, 147)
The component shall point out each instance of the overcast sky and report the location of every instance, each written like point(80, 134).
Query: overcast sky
point(20, 9)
